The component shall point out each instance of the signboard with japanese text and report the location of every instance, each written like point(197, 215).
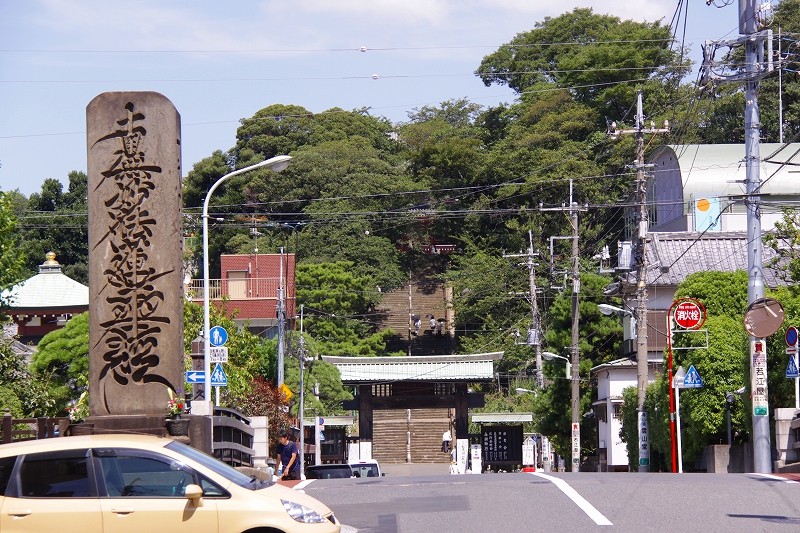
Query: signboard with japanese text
point(644, 440)
point(576, 447)
point(218, 354)
point(689, 314)
point(758, 377)
point(502, 444)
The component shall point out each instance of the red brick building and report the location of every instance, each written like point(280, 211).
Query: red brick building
point(251, 282)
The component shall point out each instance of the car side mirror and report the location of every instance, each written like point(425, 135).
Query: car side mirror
point(195, 493)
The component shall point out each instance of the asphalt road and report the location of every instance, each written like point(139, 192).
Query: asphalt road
point(623, 502)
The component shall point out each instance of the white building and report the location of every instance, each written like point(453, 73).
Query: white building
point(612, 379)
point(696, 187)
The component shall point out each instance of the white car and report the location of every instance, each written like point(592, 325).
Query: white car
point(138, 483)
point(366, 469)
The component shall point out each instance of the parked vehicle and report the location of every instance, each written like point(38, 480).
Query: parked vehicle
point(366, 469)
point(329, 471)
point(135, 483)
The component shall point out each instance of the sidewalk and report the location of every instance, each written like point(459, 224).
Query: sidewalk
point(415, 469)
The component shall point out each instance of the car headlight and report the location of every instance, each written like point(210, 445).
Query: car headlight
point(301, 513)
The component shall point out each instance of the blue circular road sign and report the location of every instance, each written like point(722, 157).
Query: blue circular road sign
point(791, 336)
point(218, 336)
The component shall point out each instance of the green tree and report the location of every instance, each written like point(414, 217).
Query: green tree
point(331, 391)
point(57, 221)
point(559, 50)
point(12, 260)
point(338, 305)
point(63, 356)
point(26, 395)
point(723, 365)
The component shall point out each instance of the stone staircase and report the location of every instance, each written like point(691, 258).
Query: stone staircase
point(390, 432)
point(427, 297)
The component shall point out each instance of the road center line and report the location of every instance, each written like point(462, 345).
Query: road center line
point(579, 500)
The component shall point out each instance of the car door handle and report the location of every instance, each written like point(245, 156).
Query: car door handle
point(19, 512)
point(122, 510)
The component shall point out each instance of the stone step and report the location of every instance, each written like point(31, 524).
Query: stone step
point(390, 434)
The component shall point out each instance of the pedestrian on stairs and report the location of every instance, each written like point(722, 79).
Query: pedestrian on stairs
point(417, 324)
point(446, 438)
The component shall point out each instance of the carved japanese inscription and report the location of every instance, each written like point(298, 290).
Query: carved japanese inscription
point(135, 253)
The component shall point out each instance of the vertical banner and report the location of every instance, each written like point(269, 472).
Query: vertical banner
point(576, 447)
point(758, 377)
point(644, 441)
point(475, 459)
point(462, 453)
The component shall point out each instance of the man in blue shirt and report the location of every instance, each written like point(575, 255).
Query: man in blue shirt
point(288, 455)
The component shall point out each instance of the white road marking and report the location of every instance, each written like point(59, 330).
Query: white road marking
point(579, 500)
point(303, 484)
point(776, 478)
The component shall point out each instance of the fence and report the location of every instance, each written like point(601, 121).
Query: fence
point(37, 428)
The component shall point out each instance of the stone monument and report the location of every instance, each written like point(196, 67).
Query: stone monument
point(135, 256)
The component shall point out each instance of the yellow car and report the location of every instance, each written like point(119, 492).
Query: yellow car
point(138, 484)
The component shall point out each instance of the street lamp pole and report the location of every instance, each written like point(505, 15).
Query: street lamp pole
point(276, 164)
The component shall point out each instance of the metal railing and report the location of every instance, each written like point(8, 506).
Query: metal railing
point(239, 289)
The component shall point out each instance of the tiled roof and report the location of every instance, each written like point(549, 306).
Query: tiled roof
point(673, 256)
point(50, 289)
point(474, 367)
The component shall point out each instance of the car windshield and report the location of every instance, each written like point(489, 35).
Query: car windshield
point(218, 467)
point(365, 470)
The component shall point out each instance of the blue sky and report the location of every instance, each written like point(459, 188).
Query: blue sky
point(219, 62)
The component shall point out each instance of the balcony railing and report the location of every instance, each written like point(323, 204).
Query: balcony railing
point(240, 289)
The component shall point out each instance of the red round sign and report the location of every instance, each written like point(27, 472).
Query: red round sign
point(689, 314)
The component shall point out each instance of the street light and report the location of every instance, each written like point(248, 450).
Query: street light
point(549, 356)
point(610, 310)
point(276, 164)
point(520, 390)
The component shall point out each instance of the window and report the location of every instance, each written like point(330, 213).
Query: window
point(6, 467)
point(61, 474)
point(211, 489)
point(136, 474)
point(382, 389)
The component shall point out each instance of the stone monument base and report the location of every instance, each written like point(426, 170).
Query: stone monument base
point(141, 424)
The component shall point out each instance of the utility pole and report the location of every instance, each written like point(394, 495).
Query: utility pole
point(302, 356)
point(576, 363)
point(281, 322)
point(575, 349)
point(752, 19)
point(534, 337)
point(640, 253)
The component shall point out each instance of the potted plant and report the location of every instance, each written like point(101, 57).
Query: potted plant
point(78, 411)
point(176, 405)
point(175, 408)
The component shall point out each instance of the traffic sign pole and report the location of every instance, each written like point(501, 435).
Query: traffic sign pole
point(678, 417)
point(792, 342)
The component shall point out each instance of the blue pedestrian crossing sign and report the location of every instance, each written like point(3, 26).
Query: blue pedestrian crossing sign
point(791, 369)
point(692, 379)
point(218, 377)
point(218, 336)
